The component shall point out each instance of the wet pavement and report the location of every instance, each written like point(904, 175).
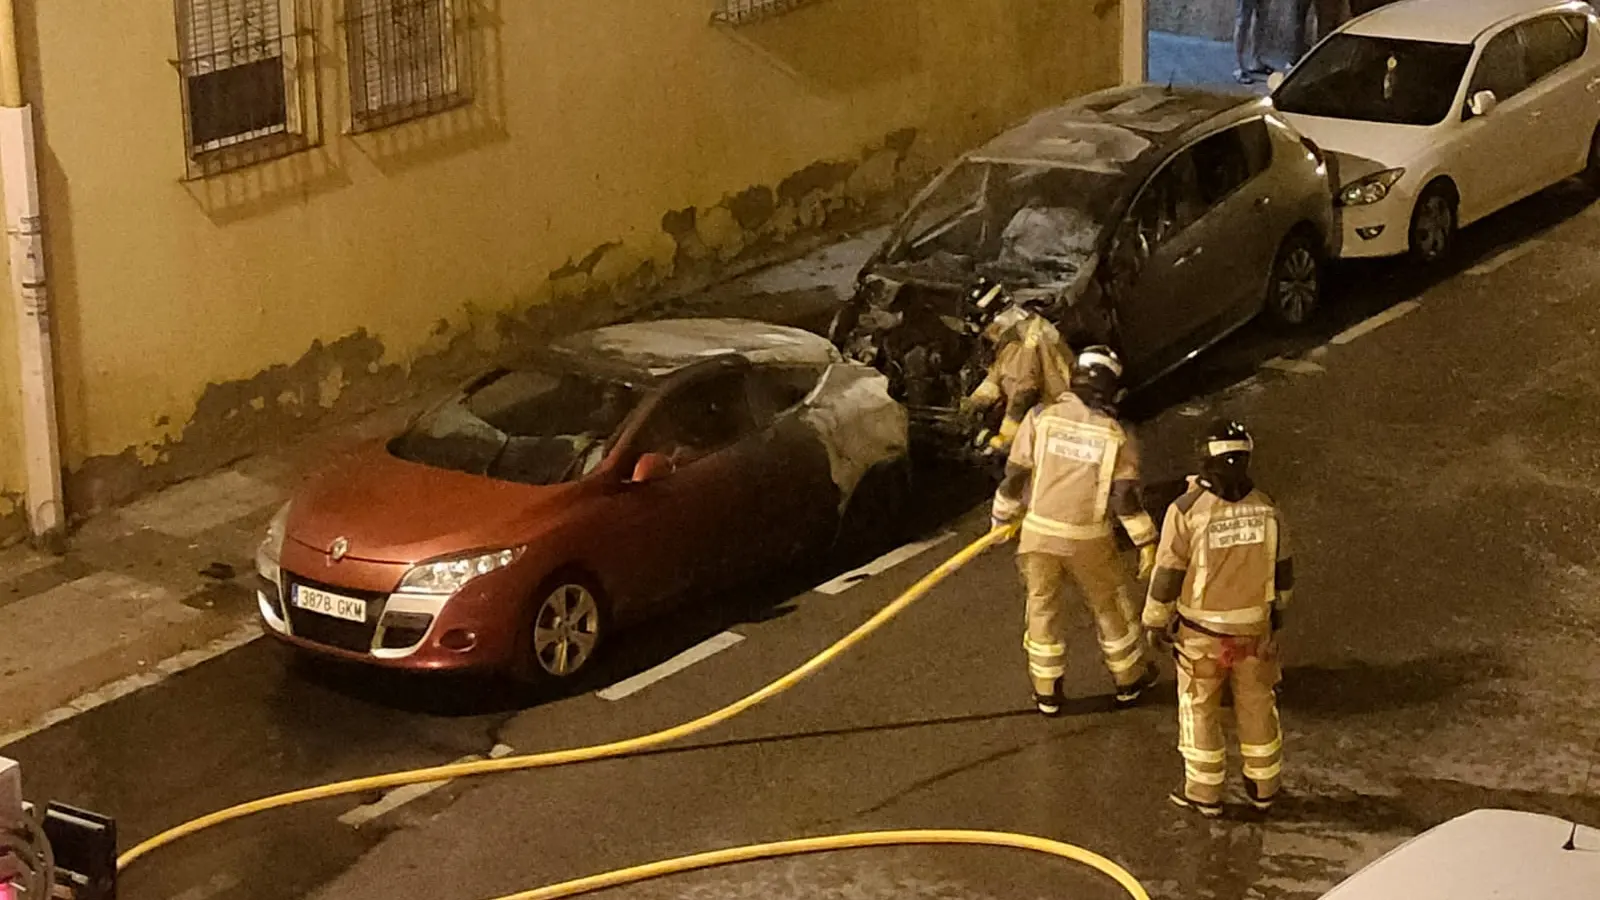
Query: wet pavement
point(1440, 472)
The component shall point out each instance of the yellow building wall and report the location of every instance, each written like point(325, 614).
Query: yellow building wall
point(615, 147)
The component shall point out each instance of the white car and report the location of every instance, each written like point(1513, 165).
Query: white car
point(1437, 113)
point(1487, 854)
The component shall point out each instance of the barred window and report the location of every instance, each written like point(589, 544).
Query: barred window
point(239, 66)
point(744, 12)
point(407, 60)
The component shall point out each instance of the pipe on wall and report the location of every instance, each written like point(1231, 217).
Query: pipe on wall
point(19, 180)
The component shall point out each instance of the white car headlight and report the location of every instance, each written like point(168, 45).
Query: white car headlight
point(1370, 189)
point(450, 575)
point(271, 549)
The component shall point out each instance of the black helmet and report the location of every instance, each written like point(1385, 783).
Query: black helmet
point(1225, 460)
point(1097, 377)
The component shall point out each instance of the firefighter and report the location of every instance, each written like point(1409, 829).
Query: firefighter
point(1031, 366)
point(1223, 578)
point(1072, 469)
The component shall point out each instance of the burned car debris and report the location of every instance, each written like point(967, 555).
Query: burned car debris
point(1151, 219)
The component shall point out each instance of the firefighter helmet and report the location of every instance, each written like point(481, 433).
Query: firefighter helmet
point(1225, 460)
point(1097, 377)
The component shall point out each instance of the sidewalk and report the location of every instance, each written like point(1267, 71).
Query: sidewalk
point(1180, 59)
point(153, 588)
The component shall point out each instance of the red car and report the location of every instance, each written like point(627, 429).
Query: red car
point(516, 525)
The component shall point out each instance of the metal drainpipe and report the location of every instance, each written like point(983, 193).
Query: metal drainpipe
point(19, 180)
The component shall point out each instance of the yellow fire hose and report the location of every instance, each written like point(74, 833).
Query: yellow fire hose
point(666, 736)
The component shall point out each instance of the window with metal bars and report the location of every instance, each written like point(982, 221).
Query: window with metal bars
point(239, 66)
point(744, 12)
point(407, 58)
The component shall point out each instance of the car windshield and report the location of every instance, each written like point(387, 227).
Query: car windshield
point(539, 425)
point(1374, 79)
point(1011, 220)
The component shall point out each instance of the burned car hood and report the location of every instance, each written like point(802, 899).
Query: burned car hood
point(391, 510)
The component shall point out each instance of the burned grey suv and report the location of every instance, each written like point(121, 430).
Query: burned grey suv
point(1152, 219)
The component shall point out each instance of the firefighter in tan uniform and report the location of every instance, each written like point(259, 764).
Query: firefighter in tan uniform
point(1071, 471)
point(1223, 577)
point(1031, 365)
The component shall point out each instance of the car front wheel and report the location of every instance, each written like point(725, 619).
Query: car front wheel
point(566, 630)
point(1295, 288)
point(1433, 225)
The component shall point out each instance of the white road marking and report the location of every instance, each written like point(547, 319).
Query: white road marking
point(701, 651)
point(1293, 366)
point(158, 673)
point(1376, 322)
point(880, 565)
point(1504, 257)
point(400, 796)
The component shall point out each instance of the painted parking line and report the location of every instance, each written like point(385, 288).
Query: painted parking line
point(698, 653)
point(400, 796)
point(1506, 257)
point(1376, 322)
point(880, 565)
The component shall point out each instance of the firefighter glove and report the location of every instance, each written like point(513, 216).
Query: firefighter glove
point(1147, 561)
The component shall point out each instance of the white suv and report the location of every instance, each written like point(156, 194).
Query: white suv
point(1437, 113)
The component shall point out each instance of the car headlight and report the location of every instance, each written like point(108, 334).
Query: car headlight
point(1370, 189)
point(450, 575)
point(271, 549)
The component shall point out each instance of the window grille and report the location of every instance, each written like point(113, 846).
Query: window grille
point(744, 12)
point(244, 100)
point(407, 58)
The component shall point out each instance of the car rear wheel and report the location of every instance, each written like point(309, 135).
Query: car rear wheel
point(1295, 289)
point(1433, 225)
point(565, 631)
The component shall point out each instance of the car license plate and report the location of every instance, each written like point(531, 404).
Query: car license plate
point(346, 608)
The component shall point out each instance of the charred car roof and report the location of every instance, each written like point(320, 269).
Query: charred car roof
point(1118, 131)
point(645, 352)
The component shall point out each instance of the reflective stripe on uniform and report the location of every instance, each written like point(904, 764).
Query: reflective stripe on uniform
point(1053, 528)
point(1140, 528)
point(1185, 721)
point(1195, 754)
point(1035, 648)
point(1119, 666)
point(1006, 508)
point(1201, 776)
point(1272, 557)
point(1250, 615)
point(1108, 472)
point(1112, 648)
point(1038, 670)
point(1263, 773)
point(1201, 556)
point(1263, 751)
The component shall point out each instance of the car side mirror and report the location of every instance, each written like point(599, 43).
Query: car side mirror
point(1274, 81)
point(651, 467)
point(1483, 103)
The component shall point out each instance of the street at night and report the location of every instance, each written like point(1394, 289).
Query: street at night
point(1434, 444)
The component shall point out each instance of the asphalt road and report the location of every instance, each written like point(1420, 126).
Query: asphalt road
point(1441, 473)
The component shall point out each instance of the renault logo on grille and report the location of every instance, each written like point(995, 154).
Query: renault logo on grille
point(340, 547)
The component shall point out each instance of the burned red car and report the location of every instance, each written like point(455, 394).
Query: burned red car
point(517, 525)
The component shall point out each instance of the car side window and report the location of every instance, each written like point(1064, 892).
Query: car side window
point(1502, 68)
point(1551, 42)
point(1170, 202)
point(1222, 164)
point(699, 419)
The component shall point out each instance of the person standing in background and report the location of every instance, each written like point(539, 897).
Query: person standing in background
point(1250, 34)
point(1330, 14)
